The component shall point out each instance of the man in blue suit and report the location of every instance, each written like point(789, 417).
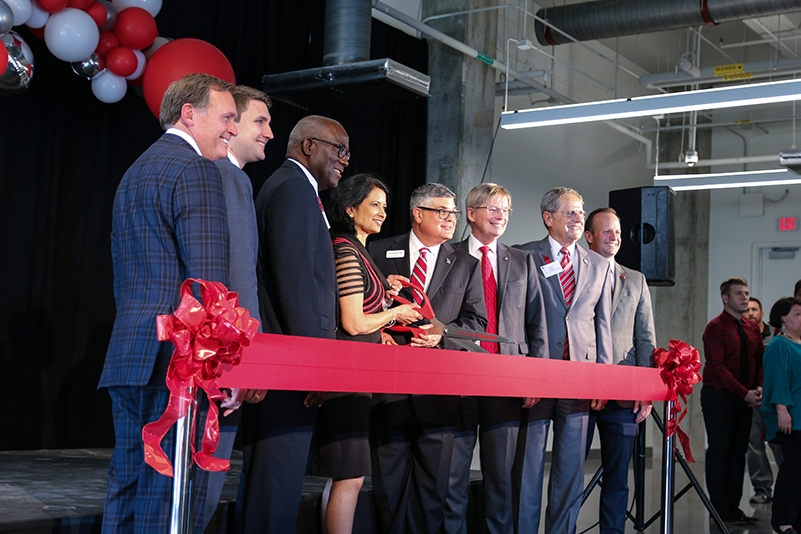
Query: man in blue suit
point(168, 224)
point(633, 341)
point(575, 289)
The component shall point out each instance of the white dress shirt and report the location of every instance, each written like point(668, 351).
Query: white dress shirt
point(475, 245)
point(431, 258)
point(313, 183)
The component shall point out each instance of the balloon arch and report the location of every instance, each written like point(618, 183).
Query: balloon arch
point(112, 44)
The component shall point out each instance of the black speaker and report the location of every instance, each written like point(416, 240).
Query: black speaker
point(647, 232)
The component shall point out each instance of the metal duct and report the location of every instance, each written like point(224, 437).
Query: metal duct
point(615, 18)
point(347, 31)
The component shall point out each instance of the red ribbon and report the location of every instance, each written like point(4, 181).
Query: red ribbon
point(679, 368)
point(208, 340)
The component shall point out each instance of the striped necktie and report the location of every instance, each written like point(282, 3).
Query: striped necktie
point(419, 274)
point(568, 280)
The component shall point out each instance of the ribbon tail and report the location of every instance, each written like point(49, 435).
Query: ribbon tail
point(685, 444)
point(152, 433)
point(211, 434)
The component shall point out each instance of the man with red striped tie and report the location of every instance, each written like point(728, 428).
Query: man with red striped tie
point(515, 310)
point(576, 289)
point(411, 436)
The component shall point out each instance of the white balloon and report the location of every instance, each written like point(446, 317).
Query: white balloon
point(21, 9)
point(140, 65)
point(108, 87)
point(151, 6)
point(38, 16)
point(71, 34)
point(158, 42)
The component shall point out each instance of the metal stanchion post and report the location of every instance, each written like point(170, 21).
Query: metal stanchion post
point(668, 470)
point(639, 478)
point(181, 513)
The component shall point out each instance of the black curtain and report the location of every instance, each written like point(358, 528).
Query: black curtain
point(62, 154)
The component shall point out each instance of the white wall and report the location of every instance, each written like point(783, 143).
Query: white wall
point(732, 236)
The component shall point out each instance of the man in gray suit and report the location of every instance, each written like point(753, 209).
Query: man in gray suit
point(634, 341)
point(575, 288)
point(515, 310)
point(411, 436)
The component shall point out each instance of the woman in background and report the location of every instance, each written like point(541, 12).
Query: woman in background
point(781, 410)
point(357, 209)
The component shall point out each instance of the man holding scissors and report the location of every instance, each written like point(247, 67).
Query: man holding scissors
point(412, 435)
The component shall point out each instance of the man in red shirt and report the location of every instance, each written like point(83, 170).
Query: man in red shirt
point(732, 387)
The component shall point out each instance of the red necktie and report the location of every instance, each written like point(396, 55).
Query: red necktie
point(568, 280)
point(320, 202)
point(419, 274)
point(491, 299)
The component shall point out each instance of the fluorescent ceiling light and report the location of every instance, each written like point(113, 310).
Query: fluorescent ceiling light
point(724, 180)
point(644, 106)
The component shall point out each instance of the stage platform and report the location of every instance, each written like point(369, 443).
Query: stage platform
point(62, 492)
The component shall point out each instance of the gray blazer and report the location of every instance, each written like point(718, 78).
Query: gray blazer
point(633, 333)
point(587, 324)
point(521, 309)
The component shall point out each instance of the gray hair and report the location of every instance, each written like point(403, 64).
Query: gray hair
point(552, 199)
point(422, 196)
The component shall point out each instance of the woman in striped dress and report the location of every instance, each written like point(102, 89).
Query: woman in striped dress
point(342, 451)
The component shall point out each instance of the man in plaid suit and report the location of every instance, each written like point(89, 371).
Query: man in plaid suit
point(169, 224)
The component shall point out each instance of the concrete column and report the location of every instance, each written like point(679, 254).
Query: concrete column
point(462, 101)
point(680, 312)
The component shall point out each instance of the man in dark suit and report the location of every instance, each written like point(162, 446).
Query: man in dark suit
point(168, 224)
point(633, 342)
point(297, 296)
point(575, 288)
point(515, 310)
point(412, 435)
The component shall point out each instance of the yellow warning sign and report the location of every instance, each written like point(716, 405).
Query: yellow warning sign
point(722, 70)
point(741, 76)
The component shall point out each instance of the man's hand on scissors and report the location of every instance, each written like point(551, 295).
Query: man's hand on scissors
point(315, 398)
point(426, 340)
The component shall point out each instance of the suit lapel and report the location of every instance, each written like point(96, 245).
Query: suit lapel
point(503, 272)
point(445, 260)
point(545, 252)
point(620, 284)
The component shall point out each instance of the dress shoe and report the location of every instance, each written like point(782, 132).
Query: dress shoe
point(761, 498)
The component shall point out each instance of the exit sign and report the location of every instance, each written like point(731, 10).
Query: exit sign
point(787, 223)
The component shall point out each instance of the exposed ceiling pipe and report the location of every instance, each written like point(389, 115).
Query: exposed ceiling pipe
point(615, 18)
point(347, 32)
point(758, 69)
point(473, 53)
point(742, 160)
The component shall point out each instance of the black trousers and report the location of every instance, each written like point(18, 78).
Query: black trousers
point(727, 418)
point(787, 493)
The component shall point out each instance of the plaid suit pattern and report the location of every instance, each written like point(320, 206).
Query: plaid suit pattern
point(169, 223)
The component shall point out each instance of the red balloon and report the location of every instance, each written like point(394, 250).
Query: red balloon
point(98, 12)
point(79, 4)
point(175, 60)
point(3, 58)
point(51, 6)
point(135, 28)
point(108, 41)
point(37, 32)
point(121, 61)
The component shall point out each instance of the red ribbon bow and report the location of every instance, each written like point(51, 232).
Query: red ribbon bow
point(208, 340)
point(680, 371)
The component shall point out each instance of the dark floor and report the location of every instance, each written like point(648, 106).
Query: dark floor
point(62, 491)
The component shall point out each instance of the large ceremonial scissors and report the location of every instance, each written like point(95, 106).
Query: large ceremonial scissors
point(463, 337)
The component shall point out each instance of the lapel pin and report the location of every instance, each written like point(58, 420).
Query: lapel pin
point(448, 261)
point(586, 261)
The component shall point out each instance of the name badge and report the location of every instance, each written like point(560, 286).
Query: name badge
point(550, 269)
point(396, 253)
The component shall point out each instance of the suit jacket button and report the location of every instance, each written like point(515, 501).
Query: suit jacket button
point(567, 317)
point(559, 344)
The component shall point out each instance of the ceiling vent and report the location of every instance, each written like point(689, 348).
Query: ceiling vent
point(348, 77)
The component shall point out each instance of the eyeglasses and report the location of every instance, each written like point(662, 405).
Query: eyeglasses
point(570, 214)
point(443, 214)
point(342, 150)
point(493, 211)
